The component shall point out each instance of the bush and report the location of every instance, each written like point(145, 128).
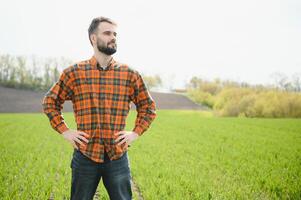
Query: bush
point(201, 97)
point(228, 101)
point(247, 101)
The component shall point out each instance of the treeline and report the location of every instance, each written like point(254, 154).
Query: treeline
point(39, 74)
point(32, 73)
point(152, 81)
point(228, 98)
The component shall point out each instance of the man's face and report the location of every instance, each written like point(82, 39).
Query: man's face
point(106, 38)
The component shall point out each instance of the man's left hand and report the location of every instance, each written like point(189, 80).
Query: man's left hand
point(126, 137)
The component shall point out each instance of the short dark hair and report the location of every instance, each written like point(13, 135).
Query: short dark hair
point(95, 22)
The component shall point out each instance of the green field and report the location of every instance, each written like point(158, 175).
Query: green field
point(184, 155)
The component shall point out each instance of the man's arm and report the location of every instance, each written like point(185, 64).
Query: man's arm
point(54, 99)
point(145, 105)
point(53, 102)
point(146, 111)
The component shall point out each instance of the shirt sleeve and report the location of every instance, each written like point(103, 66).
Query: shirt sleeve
point(54, 99)
point(145, 105)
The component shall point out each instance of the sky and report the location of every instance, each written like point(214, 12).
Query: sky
point(235, 40)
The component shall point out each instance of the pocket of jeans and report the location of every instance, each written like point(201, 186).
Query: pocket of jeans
point(120, 166)
point(123, 160)
point(81, 161)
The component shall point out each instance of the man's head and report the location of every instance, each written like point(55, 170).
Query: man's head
point(102, 35)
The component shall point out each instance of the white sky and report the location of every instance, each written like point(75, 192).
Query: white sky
point(234, 39)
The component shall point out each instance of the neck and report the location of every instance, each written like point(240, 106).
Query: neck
point(102, 59)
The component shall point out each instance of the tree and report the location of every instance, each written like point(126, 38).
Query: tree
point(21, 70)
point(152, 81)
point(296, 82)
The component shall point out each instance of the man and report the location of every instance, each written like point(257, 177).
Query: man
point(101, 91)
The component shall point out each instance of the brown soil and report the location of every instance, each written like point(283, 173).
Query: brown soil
point(25, 101)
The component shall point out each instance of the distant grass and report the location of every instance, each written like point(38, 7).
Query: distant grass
point(184, 155)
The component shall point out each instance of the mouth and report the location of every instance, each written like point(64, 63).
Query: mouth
point(112, 44)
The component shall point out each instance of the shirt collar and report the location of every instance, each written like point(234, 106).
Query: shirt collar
point(95, 65)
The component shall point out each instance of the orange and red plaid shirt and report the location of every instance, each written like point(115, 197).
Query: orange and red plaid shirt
point(101, 102)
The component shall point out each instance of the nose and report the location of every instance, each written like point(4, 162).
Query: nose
point(113, 37)
point(113, 40)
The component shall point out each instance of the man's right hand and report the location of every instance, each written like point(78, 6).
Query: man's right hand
point(74, 136)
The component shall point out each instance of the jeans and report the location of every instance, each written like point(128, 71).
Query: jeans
point(86, 174)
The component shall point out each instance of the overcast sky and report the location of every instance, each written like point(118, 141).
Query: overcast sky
point(234, 39)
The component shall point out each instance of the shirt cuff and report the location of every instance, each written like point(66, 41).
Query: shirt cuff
point(139, 130)
point(61, 128)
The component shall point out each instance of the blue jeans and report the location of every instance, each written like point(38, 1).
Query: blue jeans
point(86, 174)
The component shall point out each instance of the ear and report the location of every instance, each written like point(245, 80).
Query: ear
point(93, 38)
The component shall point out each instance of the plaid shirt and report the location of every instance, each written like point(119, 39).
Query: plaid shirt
point(101, 102)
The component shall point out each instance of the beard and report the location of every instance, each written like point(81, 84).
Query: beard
point(105, 48)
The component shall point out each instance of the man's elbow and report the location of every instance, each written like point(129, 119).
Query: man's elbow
point(45, 105)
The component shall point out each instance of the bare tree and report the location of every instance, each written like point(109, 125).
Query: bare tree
point(21, 70)
point(280, 80)
point(296, 82)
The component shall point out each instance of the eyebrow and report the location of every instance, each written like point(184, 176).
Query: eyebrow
point(110, 32)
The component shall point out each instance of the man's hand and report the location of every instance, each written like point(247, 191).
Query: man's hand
point(74, 137)
point(126, 137)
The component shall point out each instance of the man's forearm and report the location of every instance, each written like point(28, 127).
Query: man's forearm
point(145, 116)
point(53, 111)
